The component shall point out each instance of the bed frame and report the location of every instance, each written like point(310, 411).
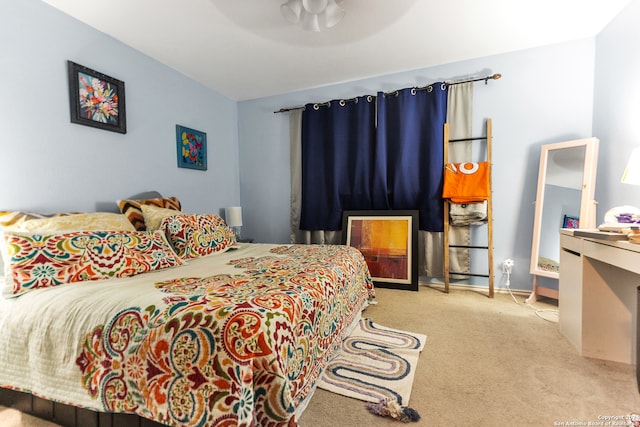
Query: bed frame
point(69, 416)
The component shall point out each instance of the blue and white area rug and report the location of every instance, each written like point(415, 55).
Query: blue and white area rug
point(375, 363)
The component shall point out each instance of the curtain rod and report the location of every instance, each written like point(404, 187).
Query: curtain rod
point(486, 79)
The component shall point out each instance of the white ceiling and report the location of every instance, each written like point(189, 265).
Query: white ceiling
point(245, 49)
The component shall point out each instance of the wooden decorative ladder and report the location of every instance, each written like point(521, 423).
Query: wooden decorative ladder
point(489, 219)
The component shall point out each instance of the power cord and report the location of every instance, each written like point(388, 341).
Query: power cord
point(538, 312)
point(507, 265)
point(508, 285)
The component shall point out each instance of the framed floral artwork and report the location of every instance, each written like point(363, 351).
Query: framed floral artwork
point(96, 99)
point(191, 146)
point(388, 240)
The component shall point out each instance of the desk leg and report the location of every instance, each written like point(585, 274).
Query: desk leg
point(609, 312)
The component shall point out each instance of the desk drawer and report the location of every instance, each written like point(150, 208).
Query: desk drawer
point(619, 257)
point(573, 244)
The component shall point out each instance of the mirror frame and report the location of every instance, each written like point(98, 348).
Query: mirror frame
point(587, 202)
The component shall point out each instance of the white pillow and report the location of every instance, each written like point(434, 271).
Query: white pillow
point(89, 221)
point(2, 255)
point(153, 216)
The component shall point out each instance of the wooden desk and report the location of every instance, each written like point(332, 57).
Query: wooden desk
point(598, 296)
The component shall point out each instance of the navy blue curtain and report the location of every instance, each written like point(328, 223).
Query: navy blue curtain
point(410, 127)
point(350, 163)
point(338, 152)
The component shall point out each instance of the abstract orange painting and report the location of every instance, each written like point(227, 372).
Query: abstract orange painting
point(387, 240)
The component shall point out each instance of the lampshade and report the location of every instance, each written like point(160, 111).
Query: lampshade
point(233, 216)
point(312, 13)
point(631, 174)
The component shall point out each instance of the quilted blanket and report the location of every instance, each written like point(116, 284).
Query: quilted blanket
point(237, 338)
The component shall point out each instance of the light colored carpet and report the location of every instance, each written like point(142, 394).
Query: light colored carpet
point(488, 362)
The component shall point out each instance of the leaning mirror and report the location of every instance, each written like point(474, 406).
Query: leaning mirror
point(564, 199)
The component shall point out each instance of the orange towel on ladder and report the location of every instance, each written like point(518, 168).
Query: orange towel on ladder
point(466, 182)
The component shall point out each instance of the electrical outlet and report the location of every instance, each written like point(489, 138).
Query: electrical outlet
point(507, 266)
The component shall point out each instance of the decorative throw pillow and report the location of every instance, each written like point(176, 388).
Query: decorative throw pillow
point(10, 220)
point(132, 209)
point(36, 261)
point(193, 236)
point(59, 222)
point(154, 215)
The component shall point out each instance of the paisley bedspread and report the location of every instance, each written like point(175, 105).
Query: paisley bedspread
point(237, 338)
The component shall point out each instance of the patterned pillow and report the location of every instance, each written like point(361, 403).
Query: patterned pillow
point(37, 261)
point(133, 208)
point(56, 223)
point(193, 236)
point(10, 220)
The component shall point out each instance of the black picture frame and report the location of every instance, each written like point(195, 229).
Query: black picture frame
point(388, 239)
point(95, 99)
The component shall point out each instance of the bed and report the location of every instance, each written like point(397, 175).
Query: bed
point(192, 329)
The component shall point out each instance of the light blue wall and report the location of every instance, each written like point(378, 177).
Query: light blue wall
point(616, 117)
point(544, 96)
point(51, 164)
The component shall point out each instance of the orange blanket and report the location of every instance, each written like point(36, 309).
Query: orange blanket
point(466, 182)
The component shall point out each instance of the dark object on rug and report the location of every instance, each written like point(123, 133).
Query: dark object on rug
point(391, 408)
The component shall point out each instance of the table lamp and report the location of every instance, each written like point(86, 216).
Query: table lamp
point(631, 174)
point(234, 219)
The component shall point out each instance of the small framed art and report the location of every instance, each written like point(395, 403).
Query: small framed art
point(388, 241)
point(191, 147)
point(571, 222)
point(96, 99)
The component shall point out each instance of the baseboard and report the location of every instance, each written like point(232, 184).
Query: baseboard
point(461, 286)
